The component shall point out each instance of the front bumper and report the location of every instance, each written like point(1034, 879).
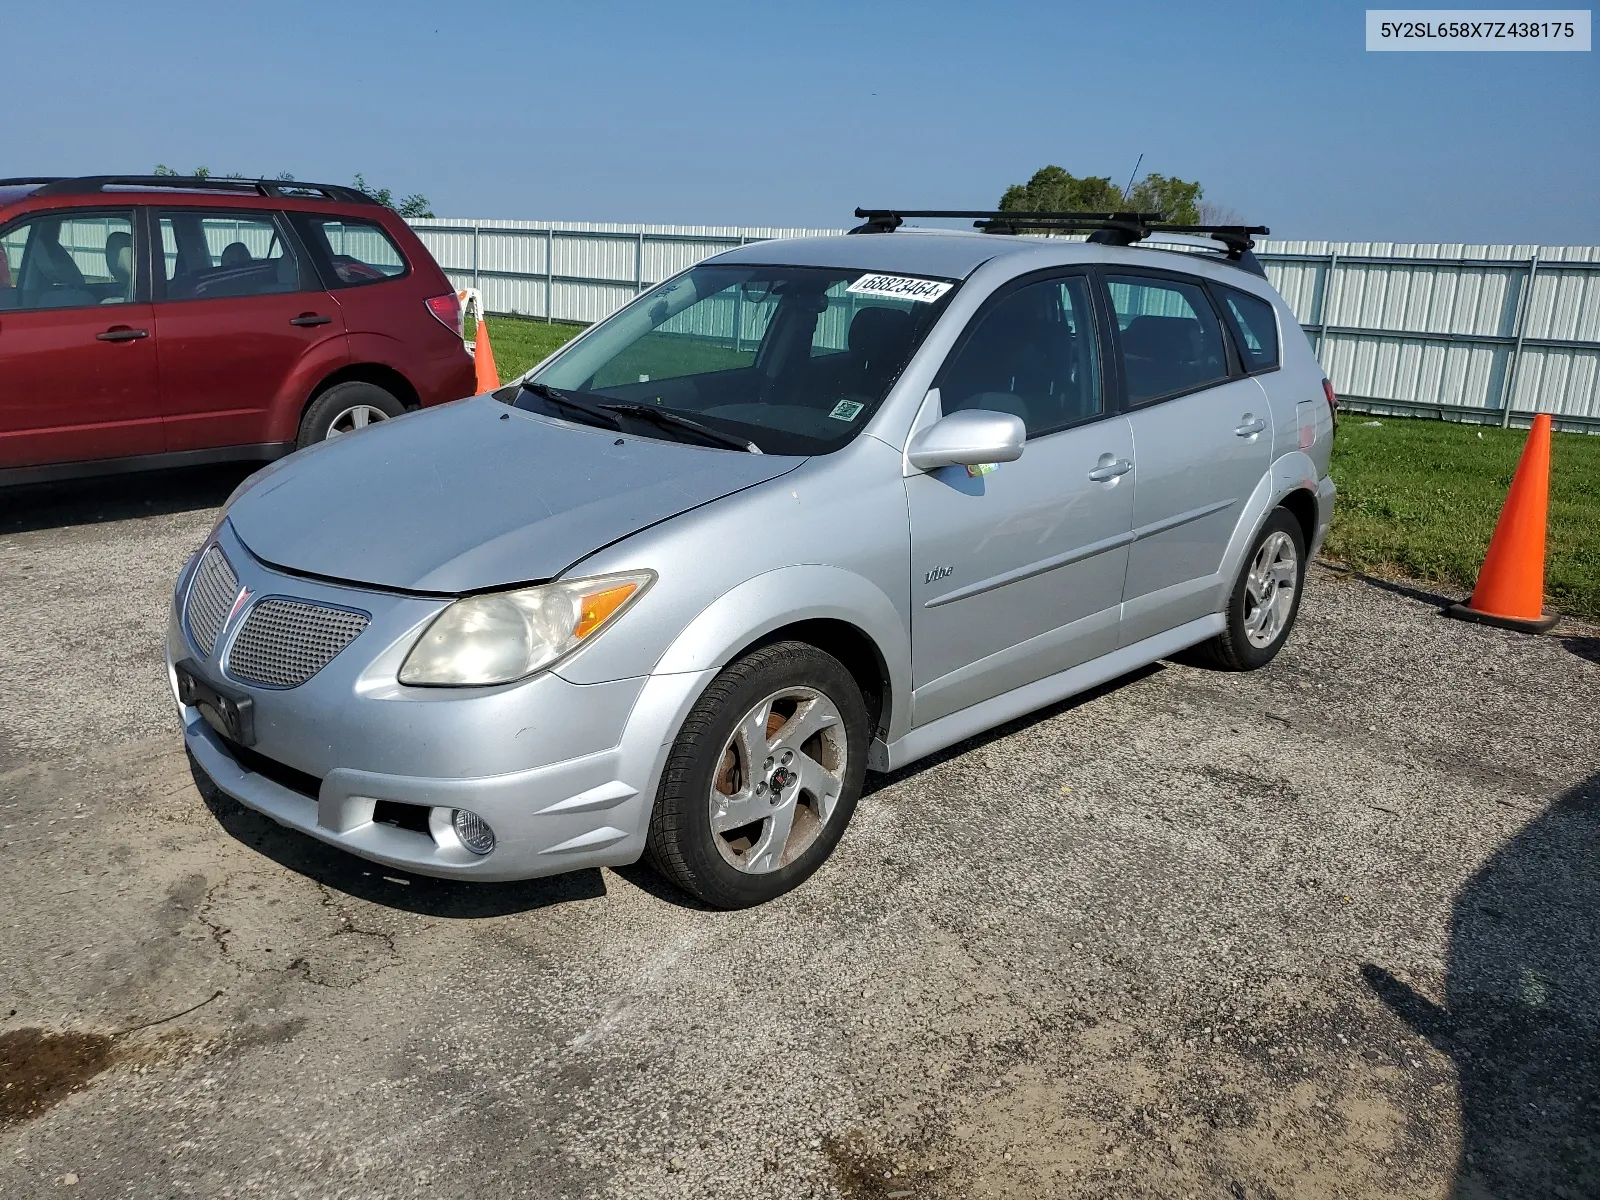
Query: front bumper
point(565, 774)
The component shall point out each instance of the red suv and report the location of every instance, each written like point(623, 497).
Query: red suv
point(157, 321)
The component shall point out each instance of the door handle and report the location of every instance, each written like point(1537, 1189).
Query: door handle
point(121, 333)
point(311, 319)
point(1250, 428)
point(1109, 471)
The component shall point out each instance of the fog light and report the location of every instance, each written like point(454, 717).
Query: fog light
point(473, 831)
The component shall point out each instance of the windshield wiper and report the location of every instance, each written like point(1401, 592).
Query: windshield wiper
point(595, 413)
point(672, 419)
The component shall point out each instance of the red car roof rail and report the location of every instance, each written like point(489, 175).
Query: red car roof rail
point(84, 184)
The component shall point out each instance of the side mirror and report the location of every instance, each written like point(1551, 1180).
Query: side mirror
point(968, 439)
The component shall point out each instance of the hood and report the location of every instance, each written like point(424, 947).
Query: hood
point(475, 495)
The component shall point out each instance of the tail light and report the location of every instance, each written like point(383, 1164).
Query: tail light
point(1333, 403)
point(448, 312)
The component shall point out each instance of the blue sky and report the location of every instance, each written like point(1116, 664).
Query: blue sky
point(792, 114)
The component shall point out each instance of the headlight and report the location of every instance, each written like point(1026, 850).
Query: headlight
point(498, 638)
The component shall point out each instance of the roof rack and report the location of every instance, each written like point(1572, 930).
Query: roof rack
point(1113, 229)
point(84, 184)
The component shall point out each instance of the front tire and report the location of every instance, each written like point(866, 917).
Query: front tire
point(346, 408)
point(1265, 599)
point(763, 777)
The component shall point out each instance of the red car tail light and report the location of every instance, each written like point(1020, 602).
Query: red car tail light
point(447, 311)
point(1333, 403)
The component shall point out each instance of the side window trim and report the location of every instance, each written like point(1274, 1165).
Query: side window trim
point(1109, 406)
point(1233, 363)
point(1236, 335)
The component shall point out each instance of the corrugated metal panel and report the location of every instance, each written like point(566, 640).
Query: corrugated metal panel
point(1423, 299)
point(1418, 372)
point(1565, 382)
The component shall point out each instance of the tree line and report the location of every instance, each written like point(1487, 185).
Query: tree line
point(1053, 189)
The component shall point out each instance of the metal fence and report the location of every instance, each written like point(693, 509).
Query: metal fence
point(1478, 333)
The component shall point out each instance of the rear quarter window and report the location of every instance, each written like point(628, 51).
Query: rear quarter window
point(1255, 328)
point(353, 252)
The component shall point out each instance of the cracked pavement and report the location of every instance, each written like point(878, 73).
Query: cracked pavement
point(1326, 929)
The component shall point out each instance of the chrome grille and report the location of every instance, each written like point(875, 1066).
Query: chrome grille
point(283, 643)
point(211, 598)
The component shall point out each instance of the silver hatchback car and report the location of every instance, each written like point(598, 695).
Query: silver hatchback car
point(808, 509)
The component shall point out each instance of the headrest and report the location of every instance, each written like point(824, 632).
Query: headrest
point(119, 255)
point(876, 332)
point(236, 254)
point(1163, 337)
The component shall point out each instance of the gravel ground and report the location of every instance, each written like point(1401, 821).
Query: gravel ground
point(1328, 929)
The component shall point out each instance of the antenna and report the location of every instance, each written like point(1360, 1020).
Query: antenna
point(1131, 176)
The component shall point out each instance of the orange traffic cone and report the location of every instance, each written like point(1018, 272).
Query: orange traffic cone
point(1510, 589)
point(483, 357)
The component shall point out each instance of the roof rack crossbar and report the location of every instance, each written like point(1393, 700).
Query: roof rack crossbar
point(885, 220)
point(80, 185)
point(1115, 229)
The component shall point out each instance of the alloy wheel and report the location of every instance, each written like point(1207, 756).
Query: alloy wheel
point(778, 780)
point(357, 416)
point(1269, 589)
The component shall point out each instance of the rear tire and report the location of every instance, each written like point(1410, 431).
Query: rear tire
point(762, 779)
point(1261, 608)
point(345, 408)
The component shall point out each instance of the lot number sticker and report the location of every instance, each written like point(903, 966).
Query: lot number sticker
point(846, 410)
point(900, 287)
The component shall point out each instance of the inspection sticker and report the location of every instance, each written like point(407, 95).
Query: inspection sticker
point(846, 410)
point(901, 287)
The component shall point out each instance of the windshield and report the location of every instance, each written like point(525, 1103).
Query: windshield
point(792, 359)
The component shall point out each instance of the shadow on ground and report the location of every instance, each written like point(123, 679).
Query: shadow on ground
point(1410, 591)
point(1584, 647)
point(1521, 1016)
point(389, 886)
point(119, 497)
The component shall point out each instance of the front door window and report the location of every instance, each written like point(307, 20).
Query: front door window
point(68, 260)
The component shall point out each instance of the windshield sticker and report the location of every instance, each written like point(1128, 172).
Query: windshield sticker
point(846, 410)
point(900, 287)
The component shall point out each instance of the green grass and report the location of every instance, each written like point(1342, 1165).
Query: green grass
point(1416, 498)
point(1420, 499)
point(518, 343)
point(670, 355)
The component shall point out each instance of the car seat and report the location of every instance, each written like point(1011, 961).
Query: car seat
point(1163, 354)
point(877, 343)
point(119, 263)
point(53, 279)
point(236, 254)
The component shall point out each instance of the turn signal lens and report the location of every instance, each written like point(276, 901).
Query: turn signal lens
point(504, 636)
point(594, 610)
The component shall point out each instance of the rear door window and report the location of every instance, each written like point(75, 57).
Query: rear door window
point(354, 252)
point(1255, 328)
point(1169, 336)
point(218, 255)
point(68, 260)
